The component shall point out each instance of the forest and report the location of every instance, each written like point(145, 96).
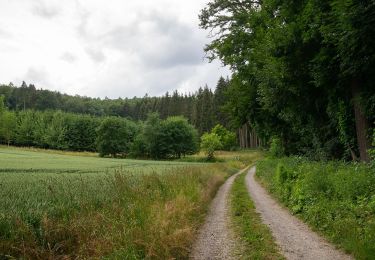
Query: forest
point(202, 108)
point(303, 71)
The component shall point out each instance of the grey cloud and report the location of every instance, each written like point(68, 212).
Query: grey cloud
point(169, 43)
point(68, 57)
point(37, 76)
point(45, 9)
point(95, 54)
point(83, 16)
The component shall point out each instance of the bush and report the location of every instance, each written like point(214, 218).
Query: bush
point(210, 143)
point(227, 138)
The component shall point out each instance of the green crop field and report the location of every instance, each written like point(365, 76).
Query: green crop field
point(27, 160)
point(55, 204)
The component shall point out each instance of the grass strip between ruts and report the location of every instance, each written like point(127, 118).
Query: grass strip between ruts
point(256, 238)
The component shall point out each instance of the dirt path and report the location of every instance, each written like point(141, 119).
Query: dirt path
point(294, 237)
point(215, 239)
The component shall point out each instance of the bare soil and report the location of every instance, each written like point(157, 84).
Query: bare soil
point(296, 240)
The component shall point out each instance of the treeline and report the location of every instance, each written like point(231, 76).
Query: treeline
point(202, 108)
point(304, 71)
point(109, 135)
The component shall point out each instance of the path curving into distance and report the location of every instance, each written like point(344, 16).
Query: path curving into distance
point(216, 239)
point(296, 240)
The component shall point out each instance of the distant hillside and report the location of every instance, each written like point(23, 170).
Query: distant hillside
point(202, 108)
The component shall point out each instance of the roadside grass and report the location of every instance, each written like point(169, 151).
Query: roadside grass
point(55, 206)
point(337, 199)
point(256, 238)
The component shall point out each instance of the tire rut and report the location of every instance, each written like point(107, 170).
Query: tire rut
point(215, 239)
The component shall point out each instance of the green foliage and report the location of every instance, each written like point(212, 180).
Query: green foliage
point(209, 144)
point(335, 198)
point(297, 68)
point(372, 151)
point(80, 132)
point(276, 147)
point(115, 136)
point(7, 123)
point(227, 138)
point(202, 108)
point(162, 139)
point(178, 137)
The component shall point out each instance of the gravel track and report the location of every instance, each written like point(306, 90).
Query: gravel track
point(296, 240)
point(216, 239)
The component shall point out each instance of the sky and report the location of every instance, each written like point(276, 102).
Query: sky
point(112, 48)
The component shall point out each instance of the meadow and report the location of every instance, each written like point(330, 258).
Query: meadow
point(59, 204)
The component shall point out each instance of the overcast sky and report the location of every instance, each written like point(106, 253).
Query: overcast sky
point(113, 48)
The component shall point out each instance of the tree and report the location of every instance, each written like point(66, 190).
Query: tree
point(115, 136)
point(7, 123)
point(227, 138)
point(209, 144)
point(177, 137)
point(221, 98)
point(25, 129)
point(162, 139)
point(298, 66)
point(151, 133)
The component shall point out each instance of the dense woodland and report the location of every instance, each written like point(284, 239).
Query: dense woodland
point(303, 71)
point(202, 108)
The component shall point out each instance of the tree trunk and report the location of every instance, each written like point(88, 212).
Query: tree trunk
point(361, 123)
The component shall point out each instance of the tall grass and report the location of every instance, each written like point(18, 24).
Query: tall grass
point(120, 215)
point(335, 198)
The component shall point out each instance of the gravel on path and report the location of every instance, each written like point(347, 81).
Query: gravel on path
point(296, 240)
point(216, 239)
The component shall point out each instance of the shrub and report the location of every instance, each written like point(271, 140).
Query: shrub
point(227, 138)
point(210, 143)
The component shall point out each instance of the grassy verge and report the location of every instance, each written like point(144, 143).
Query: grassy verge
point(336, 199)
point(258, 242)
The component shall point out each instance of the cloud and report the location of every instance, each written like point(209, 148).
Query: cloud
point(5, 34)
point(37, 76)
point(68, 57)
point(158, 41)
point(96, 54)
point(45, 9)
point(93, 48)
